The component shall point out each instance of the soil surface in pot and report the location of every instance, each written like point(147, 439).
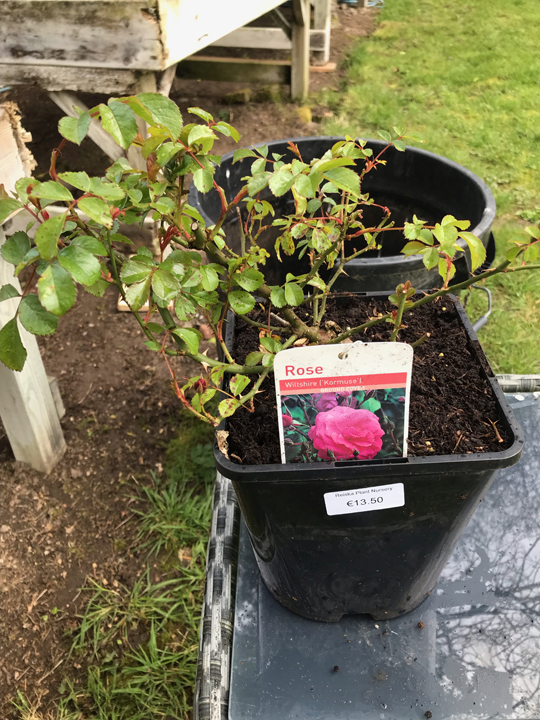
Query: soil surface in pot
point(452, 411)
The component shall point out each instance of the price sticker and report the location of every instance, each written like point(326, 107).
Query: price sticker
point(381, 497)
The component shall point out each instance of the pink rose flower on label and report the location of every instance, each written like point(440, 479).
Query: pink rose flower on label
point(344, 430)
point(326, 401)
point(287, 420)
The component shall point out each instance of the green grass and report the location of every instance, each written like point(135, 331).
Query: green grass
point(137, 645)
point(466, 76)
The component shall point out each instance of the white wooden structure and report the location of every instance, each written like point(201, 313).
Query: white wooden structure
point(128, 46)
point(30, 405)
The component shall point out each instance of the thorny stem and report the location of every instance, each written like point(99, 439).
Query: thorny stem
point(402, 299)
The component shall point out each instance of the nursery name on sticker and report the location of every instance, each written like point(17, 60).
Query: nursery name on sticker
point(381, 497)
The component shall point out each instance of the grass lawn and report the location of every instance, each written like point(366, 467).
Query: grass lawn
point(466, 76)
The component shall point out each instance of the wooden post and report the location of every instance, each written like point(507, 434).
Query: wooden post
point(27, 405)
point(322, 18)
point(300, 50)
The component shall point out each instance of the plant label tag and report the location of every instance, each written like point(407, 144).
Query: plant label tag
point(343, 402)
point(381, 497)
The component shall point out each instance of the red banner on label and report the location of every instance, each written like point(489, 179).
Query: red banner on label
point(294, 386)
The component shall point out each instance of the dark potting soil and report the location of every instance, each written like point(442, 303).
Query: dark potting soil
point(452, 411)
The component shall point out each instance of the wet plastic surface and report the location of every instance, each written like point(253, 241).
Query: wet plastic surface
point(475, 657)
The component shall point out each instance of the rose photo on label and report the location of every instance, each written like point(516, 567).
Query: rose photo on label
point(358, 425)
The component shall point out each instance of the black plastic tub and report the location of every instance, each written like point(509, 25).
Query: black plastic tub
point(383, 563)
point(414, 182)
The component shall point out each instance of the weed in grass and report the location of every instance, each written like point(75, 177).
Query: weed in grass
point(174, 517)
point(465, 76)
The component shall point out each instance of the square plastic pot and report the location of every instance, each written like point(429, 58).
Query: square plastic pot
point(383, 562)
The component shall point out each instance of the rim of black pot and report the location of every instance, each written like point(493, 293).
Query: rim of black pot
point(474, 462)
point(480, 228)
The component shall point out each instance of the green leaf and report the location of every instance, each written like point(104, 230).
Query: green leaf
point(210, 279)
point(277, 297)
point(202, 135)
point(15, 248)
point(201, 113)
point(118, 120)
point(443, 270)
point(35, 318)
point(98, 288)
point(446, 234)
point(134, 271)
point(271, 344)
point(89, 244)
point(399, 145)
point(344, 179)
point(227, 407)
point(313, 206)
point(164, 112)
point(430, 258)
point(385, 136)
point(191, 337)
point(533, 232)
point(106, 190)
point(303, 186)
point(203, 180)
point(371, 404)
point(531, 254)
point(51, 190)
point(185, 308)
point(47, 236)
point(166, 151)
point(268, 360)
point(238, 383)
point(294, 294)
point(241, 302)
point(21, 186)
point(137, 294)
point(7, 206)
point(412, 248)
point(165, 285)
point(257, 183)
point(79, 180)
point(80, 264)
point(12, 351)
point(254, 358)
point(243, 153)
point(97, 210)
point(75, 129)
point(281, 181)
point(477, 249)
point(57, 290)
point(227, 130)
point(249, 279)
point(7, 292)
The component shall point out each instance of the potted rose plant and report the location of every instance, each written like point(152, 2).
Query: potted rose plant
point(318, 565)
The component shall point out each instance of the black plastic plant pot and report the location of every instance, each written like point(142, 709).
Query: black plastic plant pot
point(414, 182)
point(383, 562)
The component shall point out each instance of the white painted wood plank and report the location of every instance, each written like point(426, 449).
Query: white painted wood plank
point(322, 20)
point(190, 25)
point(76, 79)
point(81, 34)
point(255, 38)
point(27, 406)
point(300, 50)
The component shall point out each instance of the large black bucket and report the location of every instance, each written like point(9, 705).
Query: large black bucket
point(414, 182)
point(383, 563)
